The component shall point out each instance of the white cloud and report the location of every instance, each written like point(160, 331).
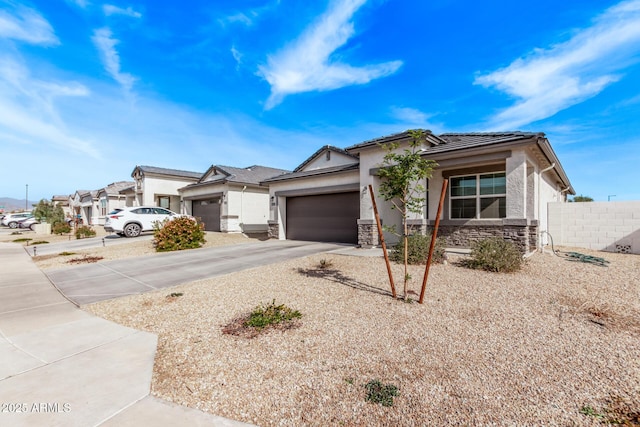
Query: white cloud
point(27, 25)
point(110, 9)
point(237, 56)
point(105, 43)
point(80, 3)
point(28, 112)
point(411, 118)
point(550, 80)
point(306, 65)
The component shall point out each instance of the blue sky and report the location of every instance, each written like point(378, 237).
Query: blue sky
point(89, 89)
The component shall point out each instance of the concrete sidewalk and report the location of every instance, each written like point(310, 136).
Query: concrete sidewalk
point(63, 367)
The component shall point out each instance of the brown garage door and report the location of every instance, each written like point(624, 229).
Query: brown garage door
point(324, 217)
point(209, 212)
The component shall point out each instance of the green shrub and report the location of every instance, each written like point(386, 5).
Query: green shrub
point(60, 228)
point(271, 314)
point(178, 234)
point(418, 252)
point(381, 393)
point(495, 254)
point(84, 231)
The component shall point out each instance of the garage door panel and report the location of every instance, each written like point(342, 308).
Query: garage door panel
point(209, 212)
point(324, 217)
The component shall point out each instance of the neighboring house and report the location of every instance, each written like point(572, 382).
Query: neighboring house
point(110, 198)
point(63, 202)
point(230, 199)
point(84, 206)
point(499, 184)
point(156, 186)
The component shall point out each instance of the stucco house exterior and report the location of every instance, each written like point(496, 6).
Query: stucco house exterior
point(230, 199)
point(63, 202)
point(84, 205)
point(110, 198)
point(156, 186)
point(499, 184)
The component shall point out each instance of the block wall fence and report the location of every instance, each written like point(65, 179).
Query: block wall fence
point(606, 226)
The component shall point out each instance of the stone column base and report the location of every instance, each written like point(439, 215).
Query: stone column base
point(274, 229)
point(368, 233)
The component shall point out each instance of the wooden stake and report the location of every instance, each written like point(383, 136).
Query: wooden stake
point(434, 235)
point(384, 245)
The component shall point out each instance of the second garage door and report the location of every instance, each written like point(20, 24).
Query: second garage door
point(324, 217)
point(209, 212)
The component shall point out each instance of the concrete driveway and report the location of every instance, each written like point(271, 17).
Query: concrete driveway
point(97, 282)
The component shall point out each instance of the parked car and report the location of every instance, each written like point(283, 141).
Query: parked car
point(12, 220)
point(132, 221)
point(28, 222)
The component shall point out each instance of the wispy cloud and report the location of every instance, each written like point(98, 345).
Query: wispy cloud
point(110, 9)
point(237, 55)
point(553, 79)
point(248, 17)
point(28, 112)
point(27, 25)
point(80, 3)
point(306, 64)
point(104, 41)
point(411, 118)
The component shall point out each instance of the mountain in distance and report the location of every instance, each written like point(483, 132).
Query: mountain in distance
point(7, 204)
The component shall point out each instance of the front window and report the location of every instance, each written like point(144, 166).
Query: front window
point(481, 196)
point(103, 207)
point(163, 202)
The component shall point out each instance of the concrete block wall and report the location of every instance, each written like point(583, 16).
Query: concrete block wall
point(606, 226)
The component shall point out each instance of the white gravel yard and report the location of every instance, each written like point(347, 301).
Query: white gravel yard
point(555, 344)
point(131, 248)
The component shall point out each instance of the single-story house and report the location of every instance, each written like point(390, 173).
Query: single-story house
point(84, 206)
point(156, 186)
point(110, 198)
point(63, 202)
point(230, 199)
point(499, 185)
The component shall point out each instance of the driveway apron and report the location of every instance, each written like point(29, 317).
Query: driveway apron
point(97, 282)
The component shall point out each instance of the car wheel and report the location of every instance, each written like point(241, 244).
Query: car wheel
point(132, 230)
point(13, 225)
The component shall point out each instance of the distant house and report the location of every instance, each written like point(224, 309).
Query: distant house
point(63, 202)
point(230, 199)
point(84, 206)
point(110, 198)
point(499, 185)
point(156, 186)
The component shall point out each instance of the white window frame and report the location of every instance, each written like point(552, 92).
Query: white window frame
point(477, 197)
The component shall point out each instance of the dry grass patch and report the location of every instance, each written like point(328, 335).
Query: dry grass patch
point(484, 349)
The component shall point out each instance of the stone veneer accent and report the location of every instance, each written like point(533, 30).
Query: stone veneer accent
point(367, 233)
point(520, 232)
point(274, 229)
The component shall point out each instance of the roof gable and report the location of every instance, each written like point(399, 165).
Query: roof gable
point(326, 157)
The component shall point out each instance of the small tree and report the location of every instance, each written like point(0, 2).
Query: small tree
point(581, 198)
point(46, 211)
point(402, 174)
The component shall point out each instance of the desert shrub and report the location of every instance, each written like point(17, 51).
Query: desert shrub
point(60, 228)
point(178, 234)
point(377, 392)
point(418, 250)
point(495, 254)
point(270, 314)
point(84, 231)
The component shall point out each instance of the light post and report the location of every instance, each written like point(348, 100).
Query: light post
point(26, 200)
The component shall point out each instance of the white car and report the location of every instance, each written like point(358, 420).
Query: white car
point(13, 219)
point(132, 221)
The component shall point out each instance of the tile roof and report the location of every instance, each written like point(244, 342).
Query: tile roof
point(116, 187)
point(314, 172)
point(165, 171)
point(462, 141)
point(433, 139)
point(250, 175)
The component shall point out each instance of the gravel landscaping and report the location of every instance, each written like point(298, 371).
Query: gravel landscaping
point(555, 344)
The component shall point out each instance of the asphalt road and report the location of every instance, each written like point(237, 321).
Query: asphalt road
point(96, 282)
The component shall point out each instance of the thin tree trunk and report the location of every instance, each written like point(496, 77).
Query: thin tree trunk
point(406, 261)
